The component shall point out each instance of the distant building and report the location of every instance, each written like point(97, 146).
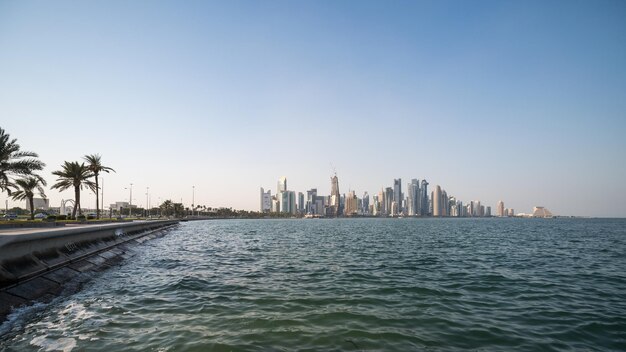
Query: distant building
point(284, 201)
point(276, 204)
point(301, 204)
point(335, 197)
point(365, 204)
point(311, 202)
point(541, 212)
point(397, 194)
point(424, 204)
point(380, 200)
point(488, 212)
point(293, 207)
point(39, 203)
point(266, 201)
point(452, 209)
point(351, 204)
point(413, 199)
point(500, 209)
point(395, 210)
point(477, 210)
point(282, 185)
point(375, 208)
point(388, 201)
point(437, 201)
point(288, 202)
point(118, 206)
point(319, 206)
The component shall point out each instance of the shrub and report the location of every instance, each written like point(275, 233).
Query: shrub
point(51, 218)
point(62, 217)
point(81, 218)
point(90, 217)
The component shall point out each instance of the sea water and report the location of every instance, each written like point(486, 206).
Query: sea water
point(349, 285)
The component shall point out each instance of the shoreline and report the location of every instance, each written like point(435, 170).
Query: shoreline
point(37, 264)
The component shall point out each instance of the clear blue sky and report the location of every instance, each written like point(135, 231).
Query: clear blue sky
point(523, 101)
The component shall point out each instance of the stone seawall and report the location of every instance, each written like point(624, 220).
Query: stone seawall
point(35, 264)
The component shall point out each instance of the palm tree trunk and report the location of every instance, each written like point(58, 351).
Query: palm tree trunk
point(32, 208)
point(97, 199)
point(76, 201)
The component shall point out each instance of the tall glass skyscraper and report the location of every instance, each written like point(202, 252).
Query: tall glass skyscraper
point(413, 189)
point(424, 206)
point(335, 197)
point(397, 193)
point(282, 185)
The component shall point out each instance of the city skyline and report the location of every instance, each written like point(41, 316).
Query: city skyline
point(520, 101)
point(390, 201)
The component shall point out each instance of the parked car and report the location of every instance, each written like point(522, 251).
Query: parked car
point(10, 216)
point(41, 216)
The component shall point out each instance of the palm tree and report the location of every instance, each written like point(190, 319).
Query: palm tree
point(74, 175)
point(14, 162)
point(167, 206)
point(27, 187)
point(95, 166)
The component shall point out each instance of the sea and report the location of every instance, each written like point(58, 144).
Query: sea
point(484, 284)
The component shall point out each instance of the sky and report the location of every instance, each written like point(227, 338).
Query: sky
point(520, 101)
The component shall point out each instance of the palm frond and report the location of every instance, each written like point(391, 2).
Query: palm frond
point(15, 162)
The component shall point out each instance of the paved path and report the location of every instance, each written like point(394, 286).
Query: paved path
point(23, 230)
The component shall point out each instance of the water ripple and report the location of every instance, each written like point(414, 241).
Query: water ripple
point(350, 285)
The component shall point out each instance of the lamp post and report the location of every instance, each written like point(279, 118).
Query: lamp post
point(101, 196)
point(147, 203)
point(130, 200)
point(193, 194)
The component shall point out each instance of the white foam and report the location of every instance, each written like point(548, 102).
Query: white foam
point(19, 315)
point(65, 344)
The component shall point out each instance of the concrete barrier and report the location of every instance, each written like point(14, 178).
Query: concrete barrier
point(35, 263)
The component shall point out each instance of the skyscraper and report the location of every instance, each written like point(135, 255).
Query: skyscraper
point(380, 209)
point(311, 198)
point(437, 201)
point(413, 202)
point(282, 185)
point(288, 202)
point(292, 202)
point(351, 204)
point(365, 204)
point(424, 204)
point(335, 198)
point(500, 209)
point(397, 194)
point(376, 204)
point(284, 201)
point(301, 204)
point(266, 200)
point(477, 211)
point(388, 200)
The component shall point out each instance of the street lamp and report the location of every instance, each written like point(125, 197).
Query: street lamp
point(147, 203)
point(130, 200)
point(193, 194)
point(101, 196)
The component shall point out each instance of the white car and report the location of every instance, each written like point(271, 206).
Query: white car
point(41, 216)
